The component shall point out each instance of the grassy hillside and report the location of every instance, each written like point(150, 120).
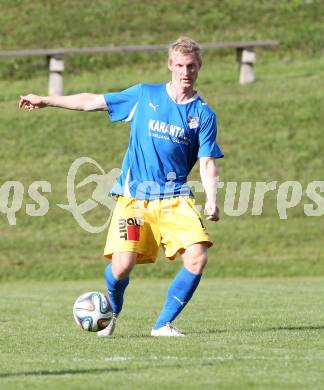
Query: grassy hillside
point(70, 22)
point(269, 131)
point(297, 24)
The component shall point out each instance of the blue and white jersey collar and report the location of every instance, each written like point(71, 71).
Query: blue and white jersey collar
point(168, 89)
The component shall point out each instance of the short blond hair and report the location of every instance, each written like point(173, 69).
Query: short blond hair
point(186, 45)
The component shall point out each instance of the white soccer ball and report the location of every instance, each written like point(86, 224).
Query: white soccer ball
point(92, 311)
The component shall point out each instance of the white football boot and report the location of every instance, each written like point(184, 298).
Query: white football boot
point(167, 331)
point(109, 330)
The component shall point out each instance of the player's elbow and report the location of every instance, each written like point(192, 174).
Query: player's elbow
point(207, 166)
point(205, 161)
point(93, 102)
point(88, 108)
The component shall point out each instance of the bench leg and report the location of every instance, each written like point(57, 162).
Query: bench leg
point(55, 80)
point(246, 59)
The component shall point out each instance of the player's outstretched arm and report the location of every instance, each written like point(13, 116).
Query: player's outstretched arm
point(208, 174)
point(80, 102)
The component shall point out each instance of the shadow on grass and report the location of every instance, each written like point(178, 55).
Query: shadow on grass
point(61, 372)
point(273, 329)
point(310, 327)
point(45, 373)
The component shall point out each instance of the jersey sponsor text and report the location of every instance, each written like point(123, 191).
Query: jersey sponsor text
point(166, 128)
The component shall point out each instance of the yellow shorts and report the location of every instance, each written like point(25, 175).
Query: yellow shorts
point(141, 226)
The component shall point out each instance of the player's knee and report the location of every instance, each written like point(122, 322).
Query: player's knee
point(197, 263)
point(121, 271)
point(122, 264)
point(195, 258)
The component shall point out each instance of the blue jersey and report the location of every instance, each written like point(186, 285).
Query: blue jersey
point(166, 139)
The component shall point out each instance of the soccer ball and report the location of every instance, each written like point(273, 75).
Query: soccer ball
point(92, 311)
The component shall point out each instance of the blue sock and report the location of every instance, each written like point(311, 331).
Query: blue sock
point(178, 295)
point(116, 289)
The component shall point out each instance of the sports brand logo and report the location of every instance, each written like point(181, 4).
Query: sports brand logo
point(154, 106)
point(129, 229)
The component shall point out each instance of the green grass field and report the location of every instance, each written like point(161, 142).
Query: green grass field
point(255, 334)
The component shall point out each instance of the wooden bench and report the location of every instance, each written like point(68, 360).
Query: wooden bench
point(245, 54)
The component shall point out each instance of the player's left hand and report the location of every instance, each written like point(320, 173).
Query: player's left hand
point(211, 212)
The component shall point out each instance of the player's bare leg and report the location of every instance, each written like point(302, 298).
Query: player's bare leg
point(181, 289)
point(123, 263)
point(195, 258)
point(117, 279)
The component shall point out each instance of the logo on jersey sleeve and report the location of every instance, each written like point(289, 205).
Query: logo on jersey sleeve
point(129, 228)
point(193, 122)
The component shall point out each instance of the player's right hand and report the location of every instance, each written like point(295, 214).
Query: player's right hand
point(32, 102)
point(211, 211)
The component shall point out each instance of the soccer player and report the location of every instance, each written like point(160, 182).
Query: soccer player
point(171, 128)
